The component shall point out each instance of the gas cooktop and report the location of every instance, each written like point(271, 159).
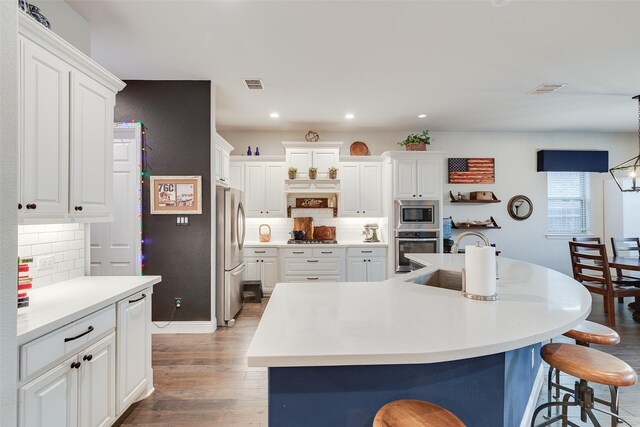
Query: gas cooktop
point(311, 242)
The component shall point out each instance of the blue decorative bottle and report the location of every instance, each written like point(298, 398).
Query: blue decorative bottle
point(257, 151)
point(248, 150)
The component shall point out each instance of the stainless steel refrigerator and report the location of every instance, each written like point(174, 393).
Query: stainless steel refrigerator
point(230, 265)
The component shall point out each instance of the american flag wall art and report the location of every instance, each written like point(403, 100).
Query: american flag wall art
point(472, 171)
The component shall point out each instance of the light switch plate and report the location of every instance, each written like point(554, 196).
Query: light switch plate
point(45, 262)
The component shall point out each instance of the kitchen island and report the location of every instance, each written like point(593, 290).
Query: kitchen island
point(337, 352)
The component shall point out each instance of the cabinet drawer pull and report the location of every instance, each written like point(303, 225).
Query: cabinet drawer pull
point(298, 253)
point(259, 252)
point(78, 208)
point(131, 301)
point(312, 260)
point(222, 179)
point(87, 357)
point(79, 336)
point(327, 252)
point(75, 365)
point(31, 206)
point(312, 278)
point(366, 252)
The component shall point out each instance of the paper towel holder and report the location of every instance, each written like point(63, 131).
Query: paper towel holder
point(465, 294)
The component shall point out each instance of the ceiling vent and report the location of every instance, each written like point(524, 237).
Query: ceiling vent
point(547, 88)
point(254, 84)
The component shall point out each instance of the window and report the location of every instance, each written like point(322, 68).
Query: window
point(569, 208)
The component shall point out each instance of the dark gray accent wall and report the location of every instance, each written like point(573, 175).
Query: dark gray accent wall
point(177, 119)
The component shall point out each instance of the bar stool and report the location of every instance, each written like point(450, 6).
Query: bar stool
point(588, 365)
point(415, 413)
point(584, 334)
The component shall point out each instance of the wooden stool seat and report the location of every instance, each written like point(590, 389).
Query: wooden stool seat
point(589, 364)
point(593, 333)
point(415, 413)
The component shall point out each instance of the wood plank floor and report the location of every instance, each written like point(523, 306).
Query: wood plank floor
point(203, 380)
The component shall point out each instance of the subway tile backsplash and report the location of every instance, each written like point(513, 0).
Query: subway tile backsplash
point(347, 229)
point(65, 242)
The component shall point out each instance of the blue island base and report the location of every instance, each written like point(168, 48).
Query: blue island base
point(486, 391)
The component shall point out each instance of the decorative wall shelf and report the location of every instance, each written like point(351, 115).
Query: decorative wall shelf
point(493, 200)
point(334, 209)
point(463, 226)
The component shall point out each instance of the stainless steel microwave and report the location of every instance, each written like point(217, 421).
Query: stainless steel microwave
point(416, 215)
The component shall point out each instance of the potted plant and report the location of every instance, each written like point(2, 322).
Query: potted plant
point(333, 172)
point(313, 172)
point(417, 141)
point(292, 172)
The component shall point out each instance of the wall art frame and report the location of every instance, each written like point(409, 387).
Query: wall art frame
point(176, 195)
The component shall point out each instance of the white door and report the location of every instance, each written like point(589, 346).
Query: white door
point(236, 176)
point(273, 189)
point(371, 189)
point(350, 189)
point(91, 148)
point(254, 190)
point(133, 348)
point(224, 176)
point(44, 131)
point(115, 246)
point(405, 179)
point(325, 158)
point(269, 274)
point(51, 400)
point(218, 168)
point(253, 271)
point(429, 179)
point(300, 158)
point(98, 384)
point(356, 270)
point(376, 269)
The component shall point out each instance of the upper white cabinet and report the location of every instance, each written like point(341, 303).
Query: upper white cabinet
point(66, 106)
point(417, 178)
point(223, 150)
point(321, 155)
point(361, 193)
point(264, 189)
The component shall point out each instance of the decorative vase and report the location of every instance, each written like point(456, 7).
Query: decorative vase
point(416, 147)
point(292, 175)
point(333, 174)
point(313, 174)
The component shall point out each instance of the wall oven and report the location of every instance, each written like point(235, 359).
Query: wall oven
point(423, 242)
point(416, 215)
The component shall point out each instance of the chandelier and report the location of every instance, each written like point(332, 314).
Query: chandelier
point(627, 174)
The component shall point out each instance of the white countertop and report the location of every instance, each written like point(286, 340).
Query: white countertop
point(57, 305)
point(399, 322)
point(340, 244)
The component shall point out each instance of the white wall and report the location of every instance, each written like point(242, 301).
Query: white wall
point(515, 157)
point(8, 211)
point(67, 23)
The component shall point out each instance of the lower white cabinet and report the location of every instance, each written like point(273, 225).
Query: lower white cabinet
point(78, 392)
point(317, 264)
point(134, 348)
point(366, 265)
point(262, 264)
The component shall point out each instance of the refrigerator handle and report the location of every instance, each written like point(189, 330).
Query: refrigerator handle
point(239, 215)
point(235, 273)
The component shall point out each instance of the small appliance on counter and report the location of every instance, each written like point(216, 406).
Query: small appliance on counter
point(370, 233)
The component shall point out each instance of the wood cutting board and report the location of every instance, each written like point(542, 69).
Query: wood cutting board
point(304, 223)
point(323, 232)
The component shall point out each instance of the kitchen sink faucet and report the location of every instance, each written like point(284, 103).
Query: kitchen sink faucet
point(454, 247)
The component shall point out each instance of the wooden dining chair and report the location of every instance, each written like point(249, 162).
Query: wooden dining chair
point(625, 246)
point(590, 267)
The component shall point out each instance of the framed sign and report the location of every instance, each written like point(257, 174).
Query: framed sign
point(176, 195)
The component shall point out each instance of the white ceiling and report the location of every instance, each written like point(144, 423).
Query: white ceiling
point(467, 64)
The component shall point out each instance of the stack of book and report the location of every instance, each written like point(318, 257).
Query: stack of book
point(24, 281)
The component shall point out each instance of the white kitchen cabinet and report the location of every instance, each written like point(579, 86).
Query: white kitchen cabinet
point(134, 348)
point(417, 178)
point(91, 148)
point(361, 193)
point(312, 264)
point(78, 392)
point(66, 104)
point(321, 155)
point(51, 400)
point(262, 264)
point(366, 264)
point(236, 175)
point(222, 152)
point(44, 126)
point(264, 189)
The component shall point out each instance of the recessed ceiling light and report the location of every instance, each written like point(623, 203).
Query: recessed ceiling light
point(274, 115)
point(349, 116)
point(422, 116)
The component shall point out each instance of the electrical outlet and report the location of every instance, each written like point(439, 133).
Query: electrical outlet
point(178, 302)
point(45, 262)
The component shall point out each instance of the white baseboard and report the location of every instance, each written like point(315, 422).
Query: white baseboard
point(533, 398)
point(205, 327)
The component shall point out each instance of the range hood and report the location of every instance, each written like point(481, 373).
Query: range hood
point(300, 203)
